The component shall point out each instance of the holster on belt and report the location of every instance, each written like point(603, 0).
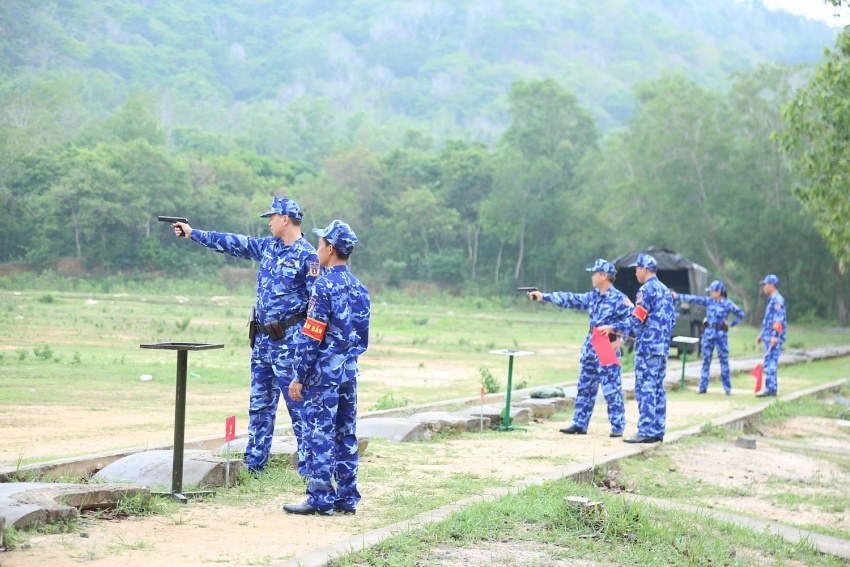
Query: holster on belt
point(276, 330)
point(252, 326)
point(704, 324)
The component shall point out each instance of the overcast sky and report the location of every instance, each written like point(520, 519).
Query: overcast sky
point(814, 9)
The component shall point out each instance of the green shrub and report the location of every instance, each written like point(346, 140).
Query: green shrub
point(388, 402)
point(491, 386)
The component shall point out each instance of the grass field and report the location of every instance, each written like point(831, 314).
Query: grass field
point(77, 353)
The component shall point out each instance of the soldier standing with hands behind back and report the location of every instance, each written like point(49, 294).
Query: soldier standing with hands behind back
point(651, 323)
point(288, 268)
point(772, 334)
point(606, 305)
point(335, 335)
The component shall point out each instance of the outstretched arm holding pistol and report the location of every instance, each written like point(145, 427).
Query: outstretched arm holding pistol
point(533, 293)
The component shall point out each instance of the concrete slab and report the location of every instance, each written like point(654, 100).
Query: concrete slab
point(438, 421)
point(283, 448)
point(544, 407)
point(24, 503)
point(153, 468)
point(395, 429)
point(518, 415)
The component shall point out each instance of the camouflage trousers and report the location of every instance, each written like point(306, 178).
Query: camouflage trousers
point(715, 339)
point(271, 373)
point(650, 370)
point(330, 416)
point(771, 365)
point(589, 379)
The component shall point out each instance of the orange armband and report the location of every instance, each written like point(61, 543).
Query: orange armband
point(777, 326)
point(640, 312)
point(314, 329)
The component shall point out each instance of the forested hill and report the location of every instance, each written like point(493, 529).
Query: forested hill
point(445, 66)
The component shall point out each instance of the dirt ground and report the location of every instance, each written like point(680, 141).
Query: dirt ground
point(204, 533)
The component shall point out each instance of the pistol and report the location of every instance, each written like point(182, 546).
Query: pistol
point(172, 220)
point(526, 290)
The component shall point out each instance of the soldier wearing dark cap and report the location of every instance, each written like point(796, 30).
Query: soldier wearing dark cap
point(606, 305)
point(288, 268)
point(651, 323)
point(335, 335)
point(715, 331)
point(772, 335)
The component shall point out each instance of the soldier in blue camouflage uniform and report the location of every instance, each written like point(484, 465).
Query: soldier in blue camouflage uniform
point(651, 323)
point(606, 305)
point(335, 334)
point(716, 331)
point(288, 268)
point(772, 334)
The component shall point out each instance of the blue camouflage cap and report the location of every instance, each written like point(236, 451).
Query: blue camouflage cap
point(601, 265)
point(284, 206)
point(645, 261)
point(339, 235)
point(716, 285)
point(771, 279)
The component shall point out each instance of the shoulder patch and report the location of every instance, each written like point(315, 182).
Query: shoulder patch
point(312, 304)
point(777, 306)
point(639, 297)
point(315, 269)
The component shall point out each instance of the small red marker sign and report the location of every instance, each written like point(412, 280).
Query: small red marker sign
point(230, 429)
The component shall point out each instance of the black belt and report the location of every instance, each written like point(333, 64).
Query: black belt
point(278, 327)
point(718, 327)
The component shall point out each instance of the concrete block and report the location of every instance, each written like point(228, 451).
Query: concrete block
point(392, 429)
point(544, 407)
point(24, 503)
point(746, 441)
point(518, 414)
point(153, 468)
point(442, 420)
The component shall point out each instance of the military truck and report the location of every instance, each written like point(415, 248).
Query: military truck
point(680, 275)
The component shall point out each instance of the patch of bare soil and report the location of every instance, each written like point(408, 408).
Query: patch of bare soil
point(787, 485)
point(204, 533)
point(509, 553)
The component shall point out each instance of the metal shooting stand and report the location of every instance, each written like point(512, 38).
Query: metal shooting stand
point(180, 418)
point(685, 341)
point(506, 417)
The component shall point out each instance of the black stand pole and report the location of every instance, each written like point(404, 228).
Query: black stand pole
point(180, 417)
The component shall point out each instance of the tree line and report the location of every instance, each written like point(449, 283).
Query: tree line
point(694, 170)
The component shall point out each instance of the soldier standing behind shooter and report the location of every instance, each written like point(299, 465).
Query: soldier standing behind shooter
point(715, 331)
point(335, 334)
point(606, 305)
point(772, 333)
point(288, 268)
point(651, 323)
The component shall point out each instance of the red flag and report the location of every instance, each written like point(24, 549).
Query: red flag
point(482, 395)
point(603, 348)
point(758, 375)
point(230, 429)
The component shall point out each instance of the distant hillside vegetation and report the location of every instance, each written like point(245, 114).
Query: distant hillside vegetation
point(442, 65)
